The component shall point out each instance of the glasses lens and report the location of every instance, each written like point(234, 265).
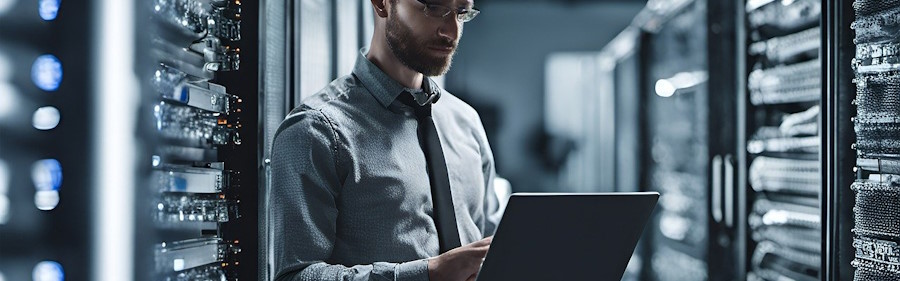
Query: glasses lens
point(436, 11)
point(467, 16)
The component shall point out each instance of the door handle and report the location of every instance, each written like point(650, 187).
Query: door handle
point(716, 192)
point(728, 186)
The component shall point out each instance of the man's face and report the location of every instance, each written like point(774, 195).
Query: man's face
point(424, 44)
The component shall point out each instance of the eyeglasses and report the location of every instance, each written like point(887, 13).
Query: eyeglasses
point(440, 11)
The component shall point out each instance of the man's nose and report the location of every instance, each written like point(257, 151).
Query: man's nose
point(449, 28)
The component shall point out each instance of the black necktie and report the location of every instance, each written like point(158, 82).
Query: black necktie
point(444, 216)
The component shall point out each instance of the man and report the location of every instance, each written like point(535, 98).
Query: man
point(363, 169)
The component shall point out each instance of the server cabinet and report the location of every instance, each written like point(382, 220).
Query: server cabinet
point(121, 121)
point(47, 187)
point(688, 128)
point(860, 201)
point(779, 142)
point(196, 212)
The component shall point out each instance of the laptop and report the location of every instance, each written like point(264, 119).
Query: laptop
point(578, 236)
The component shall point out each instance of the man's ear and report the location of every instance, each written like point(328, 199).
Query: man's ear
point(380, 7)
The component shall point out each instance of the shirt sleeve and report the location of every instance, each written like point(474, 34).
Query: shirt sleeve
point(492, 210)
point(305, 185)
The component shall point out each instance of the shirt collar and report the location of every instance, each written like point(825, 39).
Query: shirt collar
point(386, 89)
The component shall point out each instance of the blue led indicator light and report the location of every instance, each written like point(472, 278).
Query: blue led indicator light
point(48, 271)
point(48, 9)
point(47, 175)
point(47, 73)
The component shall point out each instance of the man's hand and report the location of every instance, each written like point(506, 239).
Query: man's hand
point(460, 264)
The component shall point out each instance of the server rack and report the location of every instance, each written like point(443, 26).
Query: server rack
point(780, 142)
point(197, 195)
point(688, 139)
point(671, 79)
point(861, 73)
point(836, 182)
point(46, 131)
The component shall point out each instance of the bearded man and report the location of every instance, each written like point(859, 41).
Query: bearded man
point(383, 175)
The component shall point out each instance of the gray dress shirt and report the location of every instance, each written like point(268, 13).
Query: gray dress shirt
point(350, 190)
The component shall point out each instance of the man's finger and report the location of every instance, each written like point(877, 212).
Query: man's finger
point(481, 249)
point(485, 241)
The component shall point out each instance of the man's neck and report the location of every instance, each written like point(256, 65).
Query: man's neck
point(382, 57)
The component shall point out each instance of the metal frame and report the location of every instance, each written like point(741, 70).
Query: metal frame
point(723, 51)
point(644, 142)
point(838, 159)
point(741, 262)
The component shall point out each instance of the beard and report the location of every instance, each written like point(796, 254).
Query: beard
point(414, 53)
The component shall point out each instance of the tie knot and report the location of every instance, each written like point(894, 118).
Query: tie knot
point(408, 99)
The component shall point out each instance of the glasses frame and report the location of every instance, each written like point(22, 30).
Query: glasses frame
point(440, 11)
